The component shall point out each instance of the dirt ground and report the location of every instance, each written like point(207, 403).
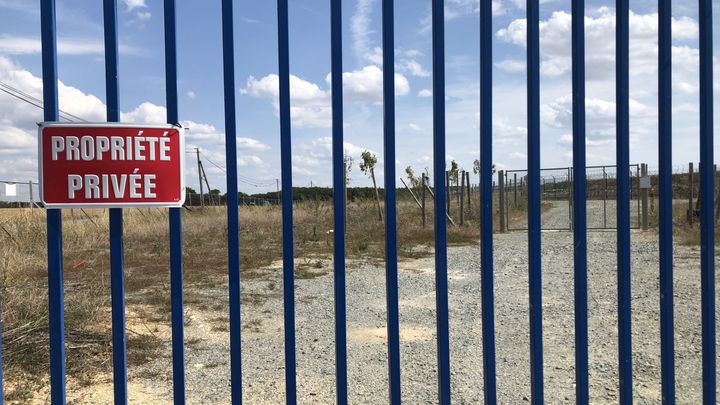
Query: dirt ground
point(207, 333)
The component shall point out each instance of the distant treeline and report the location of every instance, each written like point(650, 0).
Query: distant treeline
point(324, 193)
point(299, 194)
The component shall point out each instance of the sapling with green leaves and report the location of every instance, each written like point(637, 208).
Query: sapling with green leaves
point(453, 175)
point(367, 166)
point(347, 168)
point(414, 181)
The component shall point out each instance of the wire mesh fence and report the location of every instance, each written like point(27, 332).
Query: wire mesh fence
point(557, 202)
point(18, 194)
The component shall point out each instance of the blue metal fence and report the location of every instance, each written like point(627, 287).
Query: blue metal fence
point(54, 224)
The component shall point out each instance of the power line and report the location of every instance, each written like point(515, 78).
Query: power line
point(28, 98)
point(243, 179)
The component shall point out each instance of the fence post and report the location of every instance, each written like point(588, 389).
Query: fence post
point(233, 222)
point(457, 186)
point(467, 175)
point(462, 199)
point(507, 202)
point(515, 188)
point(605, 198)
point(202, 192)
point(56, 317)
point(570, 197)
point(644, 197)
point(717, 200)
point(422, 207)
point(637, 192)
point(447, 191)
point(706, 196)
point(32, 201)
point(691, 211)
point(501, 189)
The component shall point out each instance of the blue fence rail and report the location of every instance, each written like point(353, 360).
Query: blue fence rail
point(54, 218)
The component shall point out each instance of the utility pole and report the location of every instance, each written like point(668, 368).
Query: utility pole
point(204, 176)
point(199, 166)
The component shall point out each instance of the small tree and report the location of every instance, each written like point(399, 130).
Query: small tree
point(348, 162)
point(476, 167)
point(215, 196)
point(454, 172)
point(347, 168)
point(415, 182)
point(367, 166)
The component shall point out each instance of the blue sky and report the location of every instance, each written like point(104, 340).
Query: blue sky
point(81, 72)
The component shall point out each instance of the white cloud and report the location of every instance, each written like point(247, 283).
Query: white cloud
point(521, 3)
point(15, 139)
point(413, 67)
point(139, 8)
point(366, 51)
point(18, 129)
point(310, 104)
point(555, 42)
point(425, 93)
point(416, 127)
point(251, 160)
point(407, 62)
point(511, 65)
point(498, 8)
point(13, 45)
point(146, 112)
point(143, 15)
point(250, 20)
point(133, 4)
point(503, 129)
point(190, 94)
point(366, 84)
point(599, 119)
point(460, 8)
point(200, 132)
point(315, 157)
point(360, 30)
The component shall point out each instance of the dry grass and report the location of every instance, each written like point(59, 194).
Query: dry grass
point(683, 233)
point(23, 272)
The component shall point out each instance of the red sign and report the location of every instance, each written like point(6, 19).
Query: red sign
point(111, 165)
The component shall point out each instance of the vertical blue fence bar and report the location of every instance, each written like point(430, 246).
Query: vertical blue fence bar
point(667, 346)
point(175, 214)
point(287, 209)
point(486, 203)
point(622, 94)
point(117, 265)
point(391, 266)
point(54, 216)
point(232, 202)
point(534, 224)
point(579, 203)
point(707, 191)
point(441, 281)
point(338, 201)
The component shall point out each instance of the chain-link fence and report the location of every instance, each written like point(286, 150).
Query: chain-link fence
point(18, 194)
point(210, 200)
point(556, 185)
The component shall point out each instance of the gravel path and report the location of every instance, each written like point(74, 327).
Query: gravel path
point(207, 353)
point(602, 214)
